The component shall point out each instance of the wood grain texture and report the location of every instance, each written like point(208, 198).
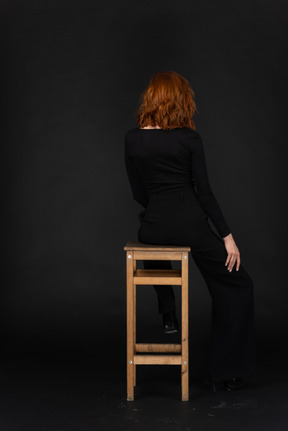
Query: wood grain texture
point(137, 245)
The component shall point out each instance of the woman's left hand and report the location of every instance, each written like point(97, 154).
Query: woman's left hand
point(233, 253)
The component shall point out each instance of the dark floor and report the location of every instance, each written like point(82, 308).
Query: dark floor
point(70, 392)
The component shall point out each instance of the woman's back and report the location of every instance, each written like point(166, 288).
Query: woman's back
point(159, 161)
point(162, 157)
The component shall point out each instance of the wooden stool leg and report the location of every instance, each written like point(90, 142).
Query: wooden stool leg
point(130, 326)
point(134, 322)
point(185, 327)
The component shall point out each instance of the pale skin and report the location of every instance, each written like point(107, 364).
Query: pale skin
point(233, 253)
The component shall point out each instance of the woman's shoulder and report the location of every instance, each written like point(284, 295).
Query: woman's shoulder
point(191, 132)
point(131, 132)
point(190, 136)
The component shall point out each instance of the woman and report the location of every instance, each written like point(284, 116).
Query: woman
point(166, 167)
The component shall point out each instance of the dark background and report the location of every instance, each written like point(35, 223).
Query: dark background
point(72, 74)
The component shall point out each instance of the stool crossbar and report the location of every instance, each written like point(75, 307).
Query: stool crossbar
point(171, 354)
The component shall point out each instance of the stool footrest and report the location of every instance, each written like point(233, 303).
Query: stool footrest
point(157, 359)
point(158, 348)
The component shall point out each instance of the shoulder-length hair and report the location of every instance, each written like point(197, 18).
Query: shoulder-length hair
point(167, 102)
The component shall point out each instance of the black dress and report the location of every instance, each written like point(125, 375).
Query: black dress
point(168, 177)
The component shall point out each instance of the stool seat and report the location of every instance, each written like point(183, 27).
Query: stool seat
point(136, 250)
point(137, 245)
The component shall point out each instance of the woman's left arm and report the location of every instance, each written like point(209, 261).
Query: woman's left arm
point(203, 188)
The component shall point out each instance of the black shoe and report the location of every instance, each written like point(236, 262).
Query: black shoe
point(170, 322)
point(227, 385)
point(235, 383)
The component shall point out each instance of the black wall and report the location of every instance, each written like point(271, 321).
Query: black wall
point(72, 74)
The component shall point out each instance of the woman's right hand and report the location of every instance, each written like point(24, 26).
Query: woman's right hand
point(233, 253)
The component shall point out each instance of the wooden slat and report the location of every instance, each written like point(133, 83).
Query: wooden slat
point(157, 359)
point(137, 245)
point(157, 280)
point(158, 348)
point(157, 276)
point(158, 273)
point(157, 255)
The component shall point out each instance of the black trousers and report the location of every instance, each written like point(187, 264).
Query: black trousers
point(177, 218)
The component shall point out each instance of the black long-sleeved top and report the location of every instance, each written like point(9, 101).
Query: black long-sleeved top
point(159, 160)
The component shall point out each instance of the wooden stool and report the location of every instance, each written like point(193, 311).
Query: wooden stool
point(136, 250)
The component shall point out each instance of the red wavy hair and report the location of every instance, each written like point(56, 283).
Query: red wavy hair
point(167, 102)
